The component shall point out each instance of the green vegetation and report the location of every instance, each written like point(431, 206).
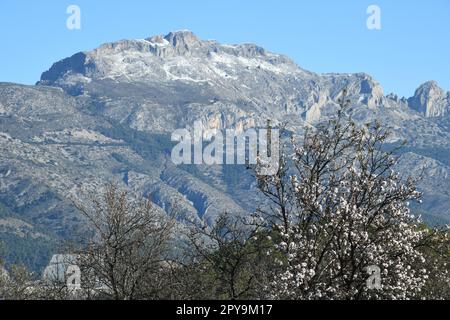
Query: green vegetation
point(33, 253)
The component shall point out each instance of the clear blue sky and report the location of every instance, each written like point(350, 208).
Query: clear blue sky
point(412, 47)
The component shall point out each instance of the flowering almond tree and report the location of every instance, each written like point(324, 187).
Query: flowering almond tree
point(342, 215)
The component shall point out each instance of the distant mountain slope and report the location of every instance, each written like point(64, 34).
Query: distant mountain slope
point(108, 114)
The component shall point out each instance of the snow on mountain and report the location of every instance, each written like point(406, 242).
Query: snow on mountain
point(107, 115)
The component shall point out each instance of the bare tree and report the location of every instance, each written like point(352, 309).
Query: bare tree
point(232, 256)
point(127, 252)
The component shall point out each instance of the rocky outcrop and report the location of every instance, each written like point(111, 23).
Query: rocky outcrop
point(430, 100)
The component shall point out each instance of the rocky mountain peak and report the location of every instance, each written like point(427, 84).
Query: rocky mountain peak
point(174, 43)
point(179, 56)
point(429, 89)
point(242, 72)
point(430, 100)
point(182, 38)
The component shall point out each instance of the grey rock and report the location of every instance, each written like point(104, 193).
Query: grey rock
point(430, 100)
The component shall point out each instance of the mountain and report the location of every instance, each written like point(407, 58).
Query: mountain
point(108, 114)
point(430, 100)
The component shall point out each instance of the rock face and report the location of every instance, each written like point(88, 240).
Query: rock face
point(56, 271)
point(107, 115)
point(430, 100)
